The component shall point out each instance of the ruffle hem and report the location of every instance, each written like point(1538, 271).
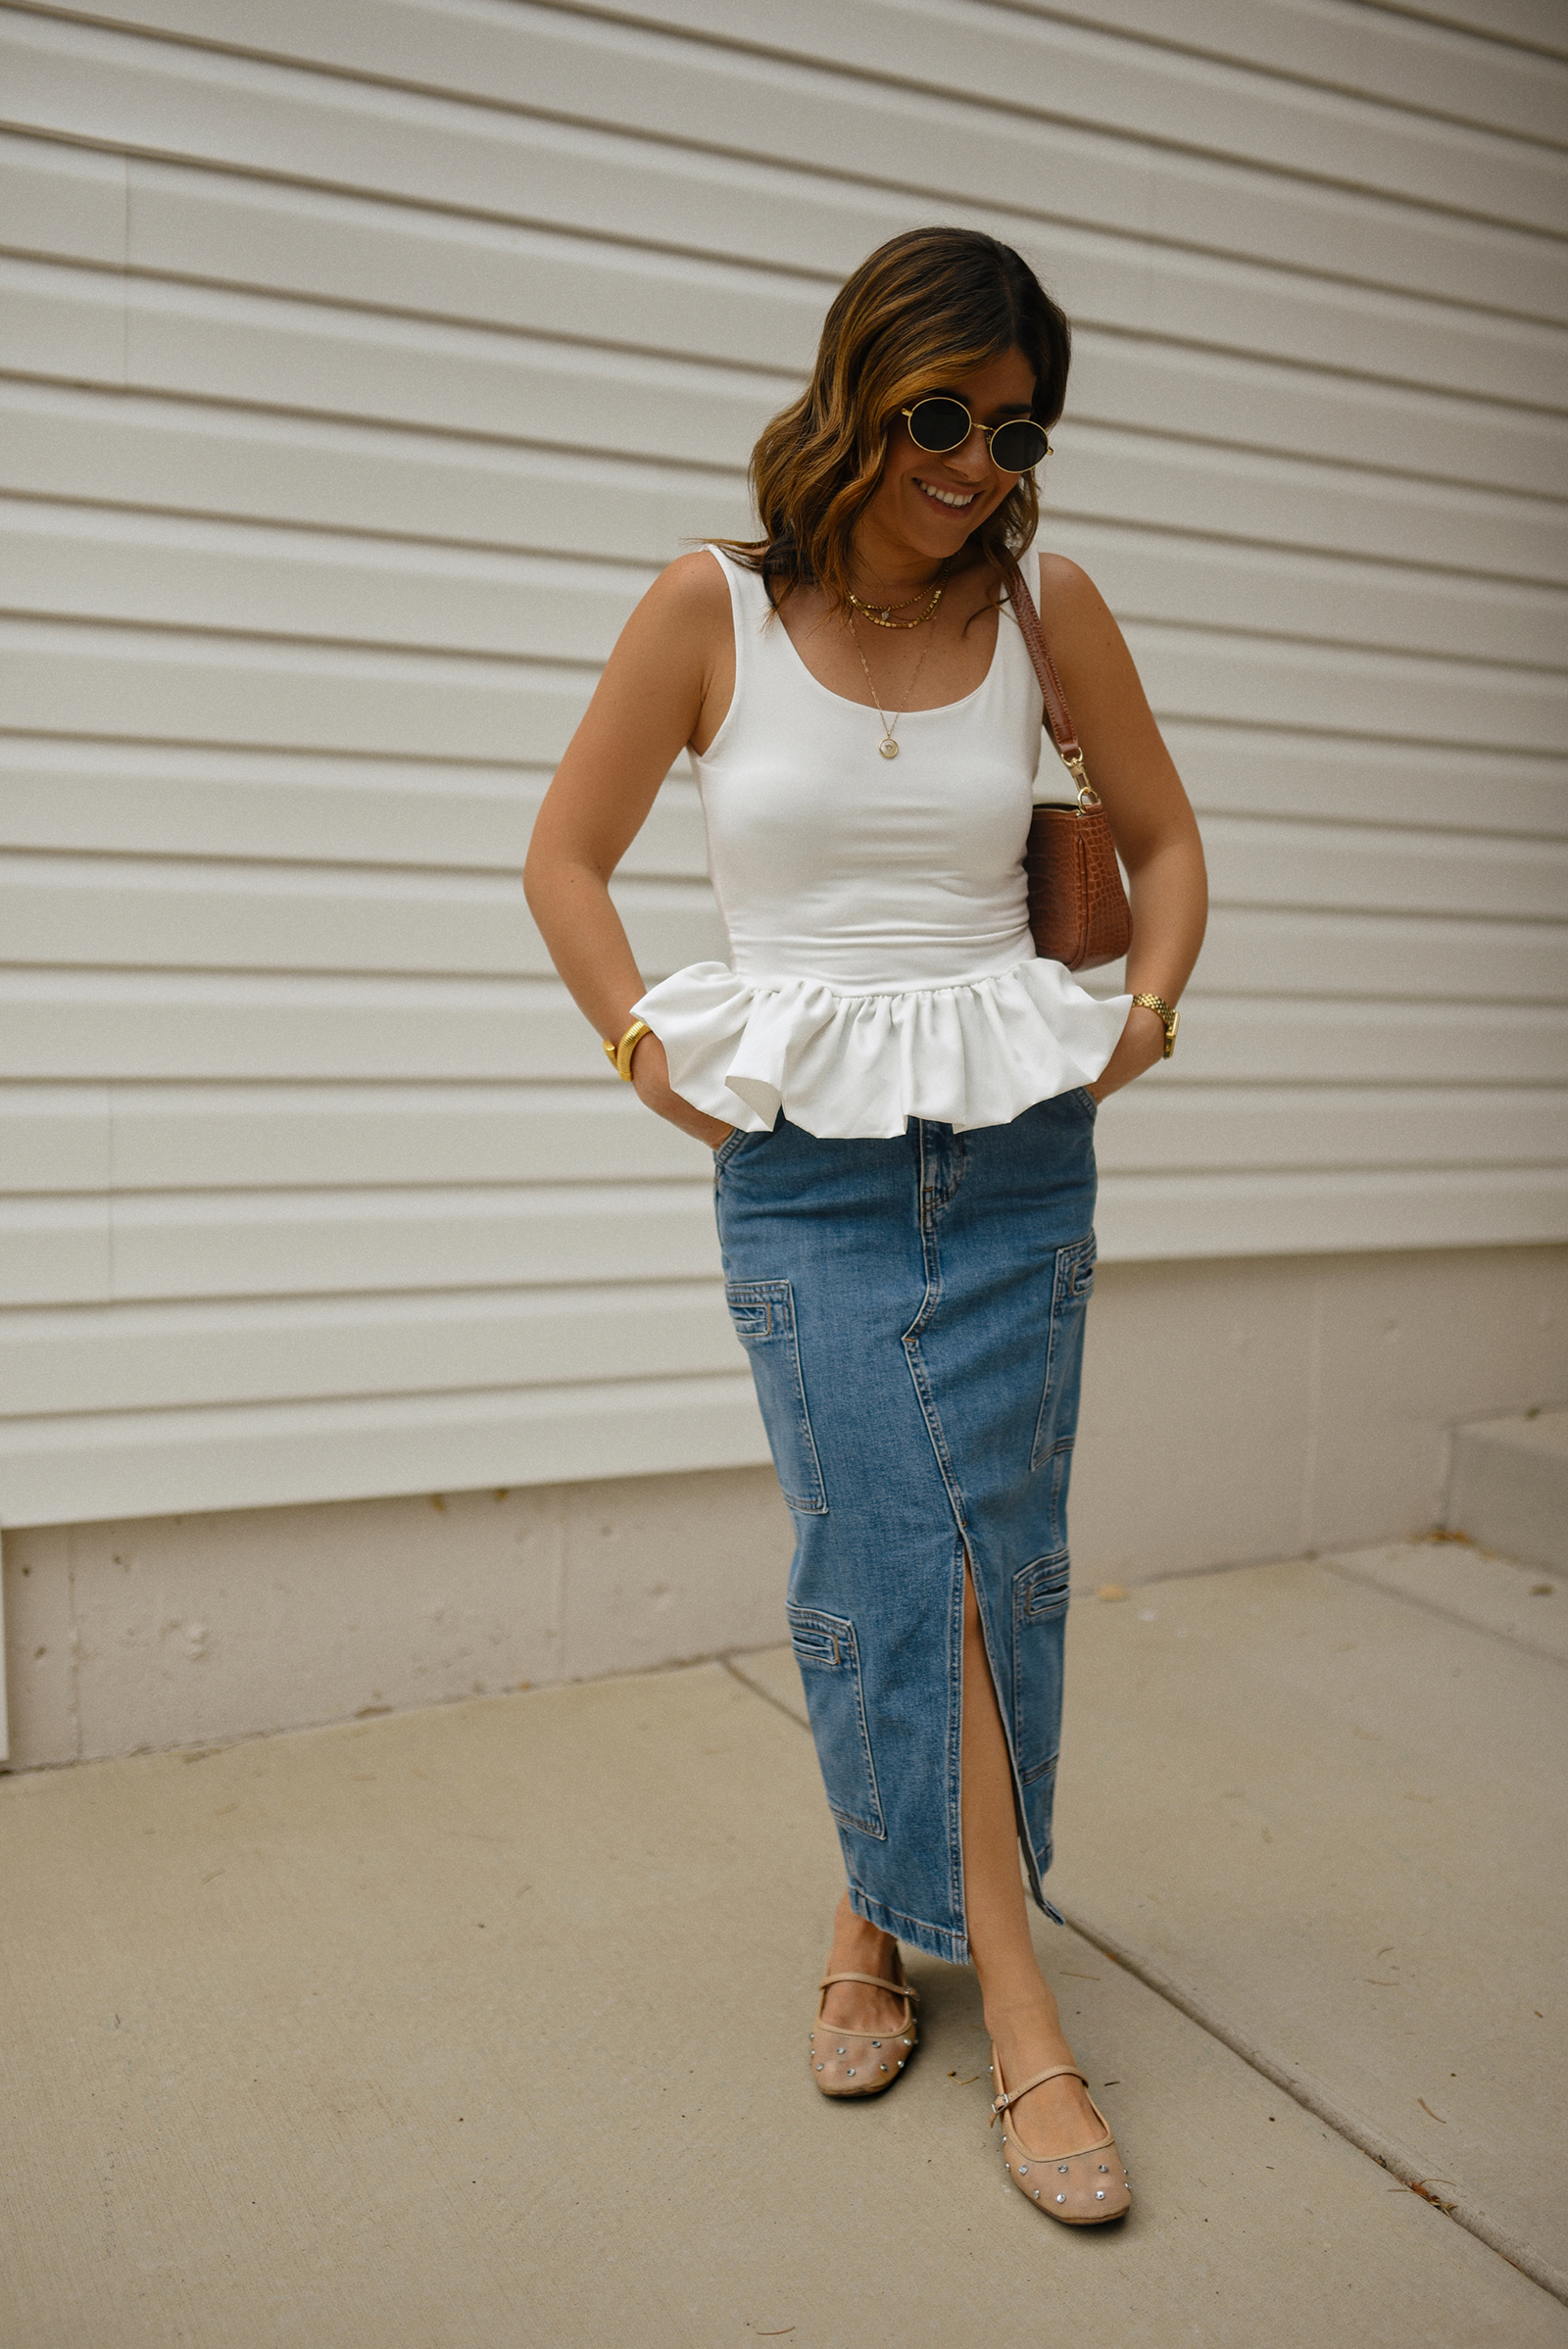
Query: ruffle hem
point(842, 1066)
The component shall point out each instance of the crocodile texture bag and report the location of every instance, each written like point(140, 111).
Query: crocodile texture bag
point(1078, 909)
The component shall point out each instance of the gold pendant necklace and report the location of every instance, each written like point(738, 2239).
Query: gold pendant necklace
point(882, 614)
point(887, 745)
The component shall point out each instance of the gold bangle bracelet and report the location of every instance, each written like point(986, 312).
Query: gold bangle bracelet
point(619, 1055)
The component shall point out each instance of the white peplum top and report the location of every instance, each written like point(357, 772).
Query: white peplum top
point(880, 963)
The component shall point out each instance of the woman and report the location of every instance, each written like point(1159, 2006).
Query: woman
point(901, 1097)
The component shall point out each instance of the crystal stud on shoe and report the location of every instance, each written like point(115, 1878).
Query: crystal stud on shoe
point(833, 2072)
point(1083, 2200)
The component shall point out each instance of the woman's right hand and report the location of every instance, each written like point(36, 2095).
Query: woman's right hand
point(650, 1074)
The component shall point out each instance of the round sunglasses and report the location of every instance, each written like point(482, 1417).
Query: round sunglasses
point(940, 423)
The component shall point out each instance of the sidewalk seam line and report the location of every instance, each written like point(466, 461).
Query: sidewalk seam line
point(766, 1695)
point(1315, 2099)
point(1433, 1607)
point(1320, 2101)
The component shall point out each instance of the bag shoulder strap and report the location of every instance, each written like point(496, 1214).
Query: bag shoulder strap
point(1057, 715)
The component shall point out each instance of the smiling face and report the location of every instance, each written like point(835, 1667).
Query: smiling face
point(926, 506)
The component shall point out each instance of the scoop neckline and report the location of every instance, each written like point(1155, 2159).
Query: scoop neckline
point(936, 709)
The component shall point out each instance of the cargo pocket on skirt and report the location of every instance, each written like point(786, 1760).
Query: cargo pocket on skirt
point(829, 1658)
point(1070, 1293)
point(764, 1314)
point(1039, 1636)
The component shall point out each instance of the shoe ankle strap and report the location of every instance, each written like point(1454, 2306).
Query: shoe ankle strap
point(999, 2104)
point(873, 1982)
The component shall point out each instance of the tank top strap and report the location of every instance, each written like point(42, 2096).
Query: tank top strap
point(750, 605)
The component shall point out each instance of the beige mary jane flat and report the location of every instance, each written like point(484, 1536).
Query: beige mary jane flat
point(851, 2063)
point(1081, 2189)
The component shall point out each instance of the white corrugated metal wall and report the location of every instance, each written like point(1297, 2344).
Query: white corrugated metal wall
point(360, 363)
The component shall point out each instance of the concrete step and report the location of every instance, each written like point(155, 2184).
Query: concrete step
point(1508, 1487)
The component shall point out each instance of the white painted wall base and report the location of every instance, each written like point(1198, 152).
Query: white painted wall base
point(172, 1630)
point(1290, 1404)
point(1233, 1410)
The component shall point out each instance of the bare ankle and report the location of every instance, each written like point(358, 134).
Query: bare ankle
point(1024, 2016)
point(1013, 1989)
point(870, 1949)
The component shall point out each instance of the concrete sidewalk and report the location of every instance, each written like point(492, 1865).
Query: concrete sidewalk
point(404, 2035)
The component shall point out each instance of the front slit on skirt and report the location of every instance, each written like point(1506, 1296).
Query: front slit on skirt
point(914, 1312)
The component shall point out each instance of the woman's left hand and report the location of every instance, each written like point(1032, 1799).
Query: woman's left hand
point(1140, 1045)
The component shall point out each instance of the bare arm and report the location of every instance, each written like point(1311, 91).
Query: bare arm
point(667, 683)
point(1153, 826)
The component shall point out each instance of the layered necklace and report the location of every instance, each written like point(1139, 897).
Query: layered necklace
point(882, 615)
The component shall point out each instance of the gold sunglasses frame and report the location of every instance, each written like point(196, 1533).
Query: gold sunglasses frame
point(990, 431)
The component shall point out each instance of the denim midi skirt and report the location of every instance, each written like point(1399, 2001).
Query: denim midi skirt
point(913, 1310)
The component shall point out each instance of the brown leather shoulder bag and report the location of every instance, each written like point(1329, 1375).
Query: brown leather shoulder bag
point(1078, 909)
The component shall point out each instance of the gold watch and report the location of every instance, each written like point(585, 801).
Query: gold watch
point(1170, 1017)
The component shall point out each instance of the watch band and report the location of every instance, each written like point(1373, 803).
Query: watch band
point(619, 1055)
point(1170, 1017)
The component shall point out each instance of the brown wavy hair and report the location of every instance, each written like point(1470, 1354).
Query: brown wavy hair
point(925, 309)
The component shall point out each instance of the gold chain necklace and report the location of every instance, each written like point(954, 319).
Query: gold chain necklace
point(887, 745)
point(882, 614)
